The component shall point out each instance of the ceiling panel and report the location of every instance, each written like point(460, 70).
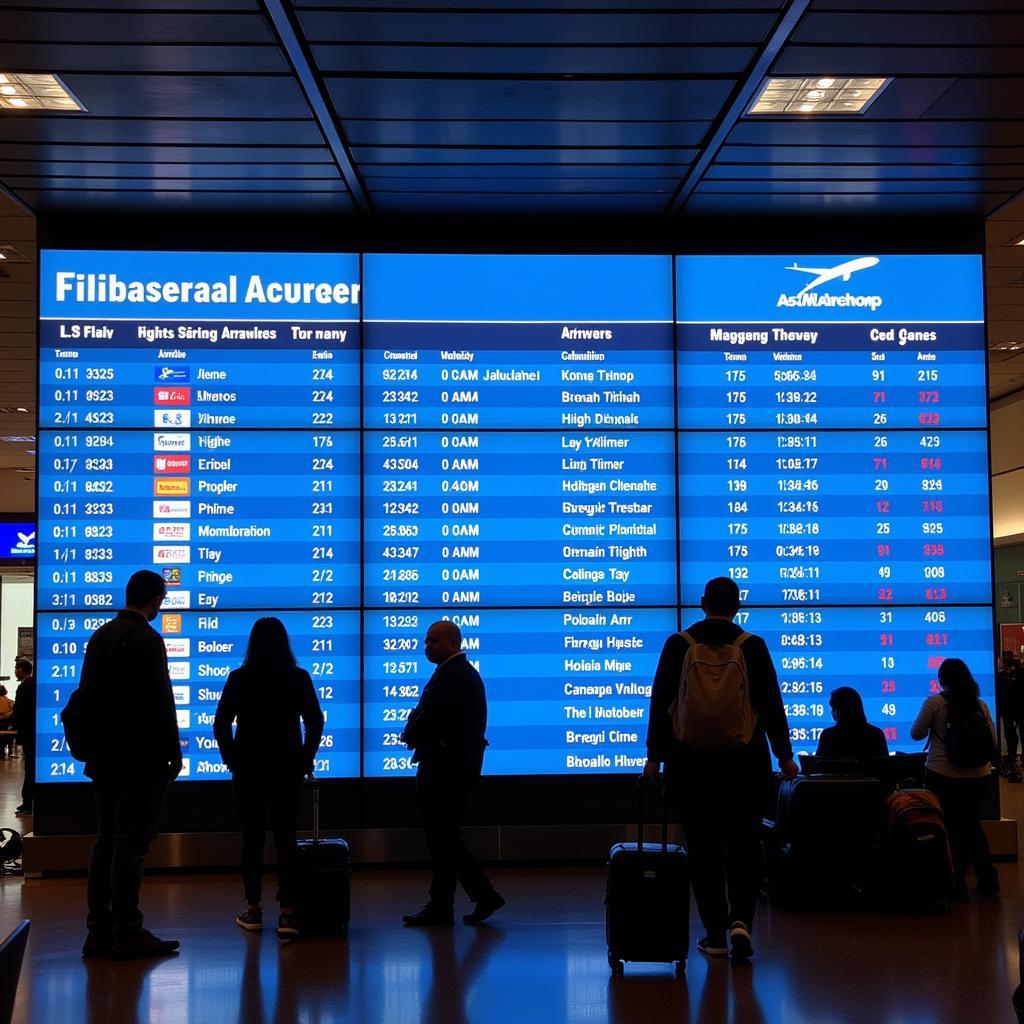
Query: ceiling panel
point(857, 61)
point(176, 58)
point(521, 132)
point(1008, 174)
point(141, 26)
point(446, 59)
point(970, 25)
point(563, 5)
point(182, 170)
point(536, 26)
point(371, 155)
point(180, 127)
point(894, 156)
point(186, 200)
point(564, 100)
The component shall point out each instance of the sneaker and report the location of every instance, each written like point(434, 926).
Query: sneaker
point(712, 945)
point(140, 945)
point(740, 946)
point(430, 915)
point(287, 928)
point(250, 920)
point(98, 942)
point(485, 906)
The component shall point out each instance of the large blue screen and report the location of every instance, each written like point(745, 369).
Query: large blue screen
point(554, 451)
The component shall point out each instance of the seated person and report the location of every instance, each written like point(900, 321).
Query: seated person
point(852, 735)
point(6, 722)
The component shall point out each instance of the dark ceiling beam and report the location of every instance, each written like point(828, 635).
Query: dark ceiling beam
point(297, 52)
point(741, 98)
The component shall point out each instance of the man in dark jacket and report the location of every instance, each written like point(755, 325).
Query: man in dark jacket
point(136, 753)
point(720, 791)
point(446, 732)
point(25, 725)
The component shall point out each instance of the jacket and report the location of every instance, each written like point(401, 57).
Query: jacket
point(446, 728)
point(125, 668)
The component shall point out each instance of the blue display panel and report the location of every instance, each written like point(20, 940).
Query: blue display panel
point(199, 416)
point(567, 689)
point(202, 649)
point(526, 444)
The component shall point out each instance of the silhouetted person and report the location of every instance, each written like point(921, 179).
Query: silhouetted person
point(1010, 705)
point(720, 785)
point(960, 790)
point(852, 735)
point(25, 725)
point(136, 754)
point(271, 699)
point(446, 732)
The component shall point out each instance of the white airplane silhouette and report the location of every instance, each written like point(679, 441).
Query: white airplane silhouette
point(26, 540)
point(844, 270)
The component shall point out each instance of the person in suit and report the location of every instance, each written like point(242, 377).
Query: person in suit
point(25, 726)
point(136, 754)
point(446, 734)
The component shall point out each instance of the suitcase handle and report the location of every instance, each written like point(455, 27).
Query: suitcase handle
point(640, 817)
point(316, 809)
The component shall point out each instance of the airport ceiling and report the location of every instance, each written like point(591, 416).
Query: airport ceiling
point(525, 107)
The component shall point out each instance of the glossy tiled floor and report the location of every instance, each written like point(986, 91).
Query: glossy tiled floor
point(542, 960)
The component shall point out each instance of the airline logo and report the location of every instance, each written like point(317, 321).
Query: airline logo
point(810, 297)
point(177, 599)
point(179, 648)
point(186, 768)
point(172, 396)
point(172, 576)
point(172, 509)
point(171, 374)
point(172, 463)
point(172, 486)
point(169, 623)
point(172, 531)
point(172, 443)
point(179, 671)
point(184, 717)
point(162, 555)
point(172, 418)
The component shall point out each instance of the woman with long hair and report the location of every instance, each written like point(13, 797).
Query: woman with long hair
point(961, 743)
point(268, 756)
point(852, 735)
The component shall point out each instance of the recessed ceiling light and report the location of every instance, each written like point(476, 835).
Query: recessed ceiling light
point(817, 95)
point(21, 409)
point(12, 255)
point(36, 92)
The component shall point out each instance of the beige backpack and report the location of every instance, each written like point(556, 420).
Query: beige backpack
point(712, 710)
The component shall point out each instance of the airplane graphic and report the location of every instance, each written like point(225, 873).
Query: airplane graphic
point(26, 540)
point(843, 270)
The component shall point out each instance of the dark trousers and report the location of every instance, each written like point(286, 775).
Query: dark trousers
point(127, 817)
point(962, 801)
point(28, 785)
point(721, 819)
point(1013, 727)
point(441, 797)
point(255, 794)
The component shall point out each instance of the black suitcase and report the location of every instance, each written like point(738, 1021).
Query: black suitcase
point(824, 843)
point(647, 900)
point(323, 881)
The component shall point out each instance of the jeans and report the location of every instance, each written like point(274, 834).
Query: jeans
point(441, 797)
point(255, 795)
point(721, 817)
point(127, 817)
point(1013, 727)
point(962, 801)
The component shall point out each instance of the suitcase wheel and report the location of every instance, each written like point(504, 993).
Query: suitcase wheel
point(617, 966)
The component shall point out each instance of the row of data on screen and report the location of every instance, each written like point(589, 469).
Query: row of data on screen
point(250, 519)
point(568, 690)
point(501, 376)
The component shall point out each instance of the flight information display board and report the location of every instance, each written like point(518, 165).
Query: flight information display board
point(554, 451)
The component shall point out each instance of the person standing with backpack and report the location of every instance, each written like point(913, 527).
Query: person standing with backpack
point(961, 746)
point(715, 706)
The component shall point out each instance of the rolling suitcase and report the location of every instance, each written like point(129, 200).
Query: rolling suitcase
point(920, 866)
point(647, 901)
point(323, 881)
